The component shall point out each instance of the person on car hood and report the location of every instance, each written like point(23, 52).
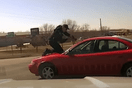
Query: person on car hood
point(60, 35)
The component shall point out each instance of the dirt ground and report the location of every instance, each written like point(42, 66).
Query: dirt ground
point(12, 52)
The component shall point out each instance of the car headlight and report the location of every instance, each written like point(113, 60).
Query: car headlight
point(32, 62)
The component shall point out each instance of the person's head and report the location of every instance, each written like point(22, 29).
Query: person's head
point(64, 27)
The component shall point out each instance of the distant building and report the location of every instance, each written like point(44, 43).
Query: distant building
point(118, 32)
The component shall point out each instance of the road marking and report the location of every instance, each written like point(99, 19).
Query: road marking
point(5, 81)
point(25, 87)
point(97, 82)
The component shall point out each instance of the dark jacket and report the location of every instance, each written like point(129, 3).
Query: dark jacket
point(58, 35)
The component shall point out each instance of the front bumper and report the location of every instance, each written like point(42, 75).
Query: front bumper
point(33, 69)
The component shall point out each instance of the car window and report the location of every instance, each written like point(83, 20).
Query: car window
point(123, 46)
point(101, 44)
point(83, 48)
point(116, 45)
point(110, 45)
point(113, 44)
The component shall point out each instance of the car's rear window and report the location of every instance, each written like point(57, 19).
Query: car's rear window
point(129, 40)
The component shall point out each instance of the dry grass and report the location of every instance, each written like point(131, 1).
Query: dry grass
point(6, 52)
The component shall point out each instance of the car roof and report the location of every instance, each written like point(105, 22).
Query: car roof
point(96, 38)
point(104, 37)
point(115, 37)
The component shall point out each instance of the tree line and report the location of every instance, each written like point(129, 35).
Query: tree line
point(74, 27)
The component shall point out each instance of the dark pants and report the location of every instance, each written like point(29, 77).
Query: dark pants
point(56, 46)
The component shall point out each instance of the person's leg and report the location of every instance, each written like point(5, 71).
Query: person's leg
point(47, 51)
point(56, 46)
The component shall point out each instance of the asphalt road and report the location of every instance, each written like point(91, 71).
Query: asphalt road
point(16, 69)
point(14, 73)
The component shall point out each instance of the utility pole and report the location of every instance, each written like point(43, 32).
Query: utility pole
point(101, 27)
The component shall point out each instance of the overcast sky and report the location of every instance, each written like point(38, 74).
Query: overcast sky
point(21, 15)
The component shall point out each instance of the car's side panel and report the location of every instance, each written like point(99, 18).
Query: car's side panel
point(69, 64)
point(107, 63)
point(99, 63)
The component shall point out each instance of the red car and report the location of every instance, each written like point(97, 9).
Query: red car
point(93, 56)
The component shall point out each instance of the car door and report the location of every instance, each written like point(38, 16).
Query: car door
point(77, 57)
point(106, 59)
point(95, 57)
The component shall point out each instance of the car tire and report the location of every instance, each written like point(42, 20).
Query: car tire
point(47, 72)
point(128, 70)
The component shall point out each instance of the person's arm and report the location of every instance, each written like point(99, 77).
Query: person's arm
point(73, 38)
point(67, 34)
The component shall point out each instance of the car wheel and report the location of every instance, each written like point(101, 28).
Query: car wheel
point(47, 72)
point(128, 70)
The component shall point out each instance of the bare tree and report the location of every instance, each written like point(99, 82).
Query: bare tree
point(72, 24)
point(46, 28)
point(105, 28)
point(94, 29)
point(85, 28)
point(41, 29)
point(51, 28)
point(77, 29)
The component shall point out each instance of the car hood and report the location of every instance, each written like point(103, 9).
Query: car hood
point(46, 58)
point(54, 54)
point(87, 82)
point(51, 56)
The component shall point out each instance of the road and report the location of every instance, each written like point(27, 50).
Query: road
point(14, 73)
point(16, 69)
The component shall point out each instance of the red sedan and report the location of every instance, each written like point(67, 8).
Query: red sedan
point(93, 56)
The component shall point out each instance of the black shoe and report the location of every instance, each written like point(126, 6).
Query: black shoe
point(47, 51)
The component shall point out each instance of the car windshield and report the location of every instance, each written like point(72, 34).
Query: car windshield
point(66, 51)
